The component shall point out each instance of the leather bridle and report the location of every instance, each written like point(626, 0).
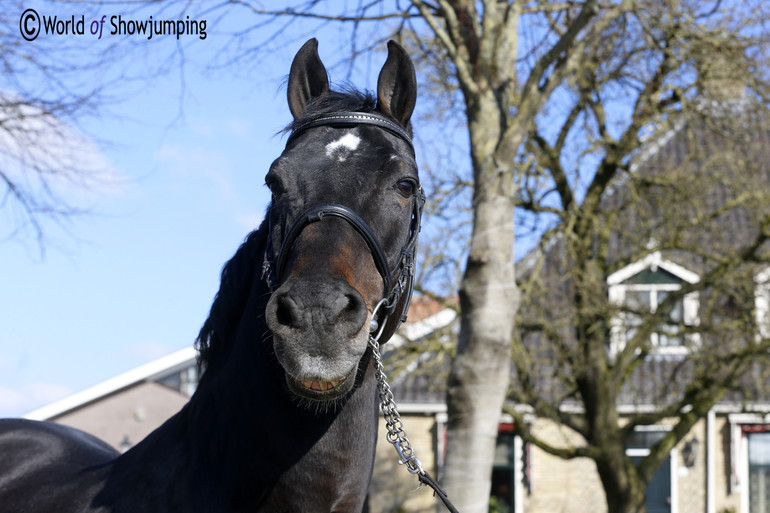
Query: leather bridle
point(399, 282)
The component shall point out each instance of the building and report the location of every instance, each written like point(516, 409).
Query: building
point(691, 205)
point(125, 409)
point(718, 469)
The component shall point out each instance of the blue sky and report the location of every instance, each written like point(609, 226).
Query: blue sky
point(135, 278)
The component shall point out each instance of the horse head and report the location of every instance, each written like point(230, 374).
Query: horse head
point(343, 223)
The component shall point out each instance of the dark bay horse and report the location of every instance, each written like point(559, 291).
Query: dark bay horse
point(285, 415)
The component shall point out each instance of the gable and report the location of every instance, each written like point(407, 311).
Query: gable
point(653, 277)
point(653, 266)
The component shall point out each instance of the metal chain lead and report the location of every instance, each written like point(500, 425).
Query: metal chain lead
point(396, 432)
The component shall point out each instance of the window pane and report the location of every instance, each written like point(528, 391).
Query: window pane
point(638, 300)
point(504, 450)
point(644, 439)
point(669, 336)
point(759, 489)
point(501, 500)
point(676, 310)
point(759, 448)
point(759, 472)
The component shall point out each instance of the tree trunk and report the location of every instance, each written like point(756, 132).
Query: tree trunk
point(624, 492)
point(480, 373)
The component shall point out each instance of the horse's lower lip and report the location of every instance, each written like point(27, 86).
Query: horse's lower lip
point(321, 386)
point(321, 389)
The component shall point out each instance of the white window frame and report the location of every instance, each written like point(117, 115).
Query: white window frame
point(690, 301)
point(739, 454)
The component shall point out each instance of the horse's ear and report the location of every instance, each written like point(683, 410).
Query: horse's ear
point(397, 85)
point(307, 78)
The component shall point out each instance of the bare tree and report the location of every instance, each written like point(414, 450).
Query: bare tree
point(51, 168)
point(46, 163)
point(680, 177)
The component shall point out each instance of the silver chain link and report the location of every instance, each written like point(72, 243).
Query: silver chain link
point(396, 432)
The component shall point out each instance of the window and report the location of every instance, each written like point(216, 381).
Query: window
point(642, 288)
point(759, 472)
point(661, 495)
point(503, 481)
point(511, 466)
point(646, 298)
point(510, 473)
point(750, 460)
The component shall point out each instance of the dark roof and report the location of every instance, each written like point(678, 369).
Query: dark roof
point(426, 383)
point(678, 191)
point(697, 194)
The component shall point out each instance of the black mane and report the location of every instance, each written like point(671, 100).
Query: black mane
point(236, 282)
point(349, 99)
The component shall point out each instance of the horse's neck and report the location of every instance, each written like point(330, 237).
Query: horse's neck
point(243, 438)
point(329, 456)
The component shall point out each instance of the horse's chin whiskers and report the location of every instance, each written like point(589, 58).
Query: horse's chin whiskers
point(319, 407)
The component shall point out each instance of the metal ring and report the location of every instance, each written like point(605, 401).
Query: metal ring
point(374, 314)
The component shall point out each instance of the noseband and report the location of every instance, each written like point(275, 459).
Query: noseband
point(397, 281)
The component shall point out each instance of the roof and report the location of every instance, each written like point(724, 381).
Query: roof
point(655, 260)
point(710, 171)
point(700, 187)
point(155, 370)
point(426, 315)
point(418, 376)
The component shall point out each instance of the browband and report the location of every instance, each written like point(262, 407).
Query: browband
point(353, 119)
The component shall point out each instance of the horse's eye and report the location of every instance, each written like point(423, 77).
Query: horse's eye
point(406, 188)
point(274, 186)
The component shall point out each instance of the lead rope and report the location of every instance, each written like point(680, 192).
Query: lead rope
point(396, 432)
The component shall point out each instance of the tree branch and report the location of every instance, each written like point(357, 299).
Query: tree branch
point(449, 37)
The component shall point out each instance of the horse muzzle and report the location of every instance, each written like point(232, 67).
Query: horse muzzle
point(320, 333)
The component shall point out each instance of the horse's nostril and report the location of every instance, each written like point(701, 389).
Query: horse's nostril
point(286, 312)
point(354, 311)
point(353, 304)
